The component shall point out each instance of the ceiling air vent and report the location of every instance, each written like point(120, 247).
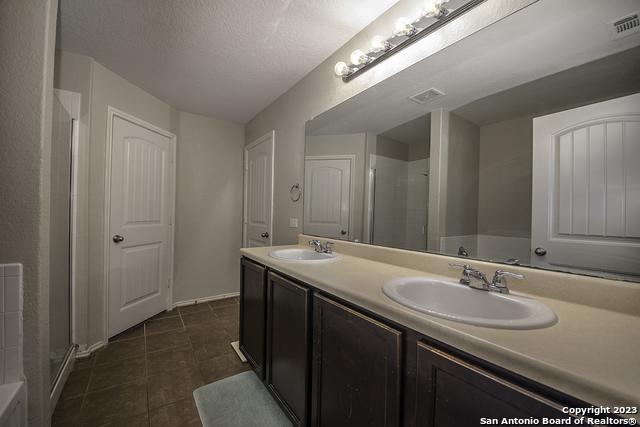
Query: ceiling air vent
point(626, 26)
point(427, 95)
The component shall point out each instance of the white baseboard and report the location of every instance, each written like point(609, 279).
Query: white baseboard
point(204, 299)
point(236, 348)
point(85, 351)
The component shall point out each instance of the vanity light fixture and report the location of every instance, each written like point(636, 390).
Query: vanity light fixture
point(404, 27)
point(358, 57)
point(406, 32)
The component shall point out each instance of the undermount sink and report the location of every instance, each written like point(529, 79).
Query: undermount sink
point(302, 255)
point(460, 303)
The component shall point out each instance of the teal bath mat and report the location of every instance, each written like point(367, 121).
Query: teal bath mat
point(241, 400)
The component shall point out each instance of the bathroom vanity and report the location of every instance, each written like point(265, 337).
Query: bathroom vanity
point(334, 350)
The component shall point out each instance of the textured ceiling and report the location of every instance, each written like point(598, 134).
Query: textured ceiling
point(225, 59)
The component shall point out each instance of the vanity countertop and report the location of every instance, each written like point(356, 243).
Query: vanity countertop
point(591, 353)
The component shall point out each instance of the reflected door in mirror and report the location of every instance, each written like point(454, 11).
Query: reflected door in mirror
point(328, 196)
point(586, 187)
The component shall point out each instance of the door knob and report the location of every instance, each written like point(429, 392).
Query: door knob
point(118, 238)
point(265, 234)
point(343, 232)
point(540, 251)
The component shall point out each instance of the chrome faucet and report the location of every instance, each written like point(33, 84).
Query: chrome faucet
point(499, 282)
point(478, 280)
point(323, 248)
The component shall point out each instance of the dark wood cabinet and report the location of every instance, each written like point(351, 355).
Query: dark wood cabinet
point(356, 368)
point(452, 392)
point(330, 363)
point(253, 294)
point(288, 344)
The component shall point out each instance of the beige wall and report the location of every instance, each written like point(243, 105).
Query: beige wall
point(27, 40)
point(462, 177)
point(208, 231)
point(505, 173)
point(208, 207)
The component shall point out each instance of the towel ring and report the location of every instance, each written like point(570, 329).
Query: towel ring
point(295, 193)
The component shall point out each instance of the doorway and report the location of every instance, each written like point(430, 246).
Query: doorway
point(139, 221)
point(328, 202)
point(258, 192)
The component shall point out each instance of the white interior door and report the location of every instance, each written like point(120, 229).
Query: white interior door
point(140, 237)
point(586, 187)
point(327, 198)
point(258, 192)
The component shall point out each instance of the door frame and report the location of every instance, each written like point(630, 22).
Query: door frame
point(269, 136)
point(352, 184)
point(112, 113)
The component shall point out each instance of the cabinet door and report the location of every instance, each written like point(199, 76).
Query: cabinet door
point(452, 392)
point(253, 313)
point(356, 368)
point(288, 342)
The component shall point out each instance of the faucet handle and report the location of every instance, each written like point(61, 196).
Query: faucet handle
point(501, 274)
point(499, 282)
point(328, 247)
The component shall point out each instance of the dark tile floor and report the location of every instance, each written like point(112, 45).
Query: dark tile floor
point(147, 374)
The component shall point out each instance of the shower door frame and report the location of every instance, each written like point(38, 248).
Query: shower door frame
point(71, 101)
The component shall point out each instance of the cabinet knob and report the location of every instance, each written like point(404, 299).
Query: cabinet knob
point(118, 238)
point(343, 232)
point(265, 234)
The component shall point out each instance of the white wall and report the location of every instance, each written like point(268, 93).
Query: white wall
point(27, 40)
point(417, 204)
point(73, 73)
point(320, 90)
point(208, 207)
point(462, 177)
point(109, 89)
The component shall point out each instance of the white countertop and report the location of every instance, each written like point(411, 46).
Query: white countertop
point(591, 353)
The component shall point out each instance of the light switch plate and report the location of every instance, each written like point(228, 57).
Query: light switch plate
point(293, 222)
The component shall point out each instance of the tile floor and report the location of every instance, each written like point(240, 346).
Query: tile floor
point(147, 374)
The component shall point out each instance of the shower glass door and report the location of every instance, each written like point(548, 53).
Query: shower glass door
point(60, 243)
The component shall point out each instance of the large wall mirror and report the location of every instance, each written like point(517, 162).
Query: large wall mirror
point(527, 153)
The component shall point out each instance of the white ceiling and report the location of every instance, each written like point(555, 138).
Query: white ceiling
point(225, 59)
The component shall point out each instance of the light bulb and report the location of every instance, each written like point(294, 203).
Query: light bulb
point(379, 43)
point(403, 27)
point(358, 57)
point(434, 9)
point(341, 69)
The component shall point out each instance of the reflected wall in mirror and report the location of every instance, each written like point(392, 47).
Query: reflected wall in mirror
point(520, 159)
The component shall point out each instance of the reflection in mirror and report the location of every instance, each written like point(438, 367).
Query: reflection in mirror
point(544, 172)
